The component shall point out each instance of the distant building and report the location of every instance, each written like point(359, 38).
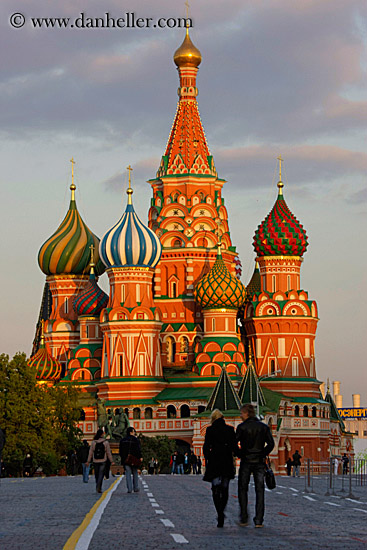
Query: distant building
point(178, 333)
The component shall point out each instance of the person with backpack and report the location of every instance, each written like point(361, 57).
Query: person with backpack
point(99, 452)
point(296, 464)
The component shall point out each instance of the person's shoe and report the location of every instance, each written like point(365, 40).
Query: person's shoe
point(258, 525)
point(136, 490)
point(220, 520)
point(129, 491)
point(243, 523)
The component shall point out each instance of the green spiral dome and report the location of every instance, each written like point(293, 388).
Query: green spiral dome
point(219, 288)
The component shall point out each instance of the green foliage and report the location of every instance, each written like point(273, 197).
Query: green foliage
point(36, 419)
point(159, 447)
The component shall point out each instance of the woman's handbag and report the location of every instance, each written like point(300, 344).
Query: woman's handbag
point(269, 476)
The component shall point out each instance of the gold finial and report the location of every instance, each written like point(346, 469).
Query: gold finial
point(42, 342)
point(129, 191)
point(187, 17)
point(92, 264)
point(219, 235)
point(187, 55)
point(328, 385)
point(72, 186)
point(280, 183)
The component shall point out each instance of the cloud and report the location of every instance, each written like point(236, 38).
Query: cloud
point(359, 197)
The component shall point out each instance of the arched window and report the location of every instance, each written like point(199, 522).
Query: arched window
point(171, 411)
point(273, 280)
point(201, 409)
point(126, 411)
point(203, 242)
point(296, 410)
point(170, 349)
point(148, 413)
point(201, 196)
point(177, 243)
point(288, 282)
point(184, 347)
point(314, 412)
point(305, 410)
point(185, 411)
point(136, 413)
point(212, 370)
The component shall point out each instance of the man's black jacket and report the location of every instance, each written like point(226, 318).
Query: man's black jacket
point(255, 439)
point(130, 445)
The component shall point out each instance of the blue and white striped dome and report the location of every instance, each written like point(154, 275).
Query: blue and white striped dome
point(130, 242)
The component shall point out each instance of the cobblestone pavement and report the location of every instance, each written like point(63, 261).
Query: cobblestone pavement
point(173, 511)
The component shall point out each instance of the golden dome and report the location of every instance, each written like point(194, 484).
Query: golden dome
point(187, 55)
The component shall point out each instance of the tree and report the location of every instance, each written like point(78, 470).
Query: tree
point(159, 447)
point(24, 413)
point(37, 419)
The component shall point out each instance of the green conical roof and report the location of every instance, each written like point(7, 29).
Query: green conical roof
point(250, 389)
point(224, 396)
point(254, 284)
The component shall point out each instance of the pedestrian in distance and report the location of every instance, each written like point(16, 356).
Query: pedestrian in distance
point(74, 463)
point(98, 453)
point(151, 465)
point(194, 463)
point(296, 464)
point(345, 462)
point(199, 466)
point(220, 447)
point(173, 463)
point(83, 453)
point(256, 443)
point(131, 458)
point(156, 466)
point(336, 466)
point(187, 463)
point(180, 463)
point(289, 465)
point(28, 466)
point(2, 442)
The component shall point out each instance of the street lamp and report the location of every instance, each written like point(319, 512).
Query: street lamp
point(272, 375)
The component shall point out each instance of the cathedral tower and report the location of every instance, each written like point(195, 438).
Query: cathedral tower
point(280, 320)
point(131, 361)
point(186, 206)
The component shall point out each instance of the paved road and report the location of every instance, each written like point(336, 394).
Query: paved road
point(172, 512)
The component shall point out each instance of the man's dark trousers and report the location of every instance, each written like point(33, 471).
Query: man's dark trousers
point(258, 471)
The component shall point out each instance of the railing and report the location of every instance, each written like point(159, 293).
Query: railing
point(354, 474)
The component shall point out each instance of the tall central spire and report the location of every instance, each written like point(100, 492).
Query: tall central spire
point(187, 151)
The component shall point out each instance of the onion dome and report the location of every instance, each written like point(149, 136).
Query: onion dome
point(280, 234)
point(219, 288)
point(92, 300)
point(67, 250)
point(130, 243)
point(187, 55)
point(47, 368)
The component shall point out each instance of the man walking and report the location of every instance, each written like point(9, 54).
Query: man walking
point(256, 442)
point(83, 454)
point(296, 463)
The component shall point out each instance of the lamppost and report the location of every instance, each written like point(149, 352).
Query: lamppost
point(259, 378)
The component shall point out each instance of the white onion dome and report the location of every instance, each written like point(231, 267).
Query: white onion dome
point(130, 243)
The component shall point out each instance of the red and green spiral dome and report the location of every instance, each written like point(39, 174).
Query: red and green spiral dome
point(280, 234)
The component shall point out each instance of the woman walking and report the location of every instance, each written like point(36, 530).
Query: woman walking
point(98, 453)
point(219, 449)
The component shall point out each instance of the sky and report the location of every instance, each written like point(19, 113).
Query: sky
point(277, 77)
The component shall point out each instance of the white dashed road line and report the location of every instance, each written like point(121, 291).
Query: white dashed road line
point(309, 498)
point(149, 494)
point(360, 510)
point(159, 512)
point(292, 489)
point(179, 538)
point(332, 503)
point(167, 522)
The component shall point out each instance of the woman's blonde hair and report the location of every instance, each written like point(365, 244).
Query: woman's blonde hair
point(215, 415)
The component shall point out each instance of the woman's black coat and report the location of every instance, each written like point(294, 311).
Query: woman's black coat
point(219, 447)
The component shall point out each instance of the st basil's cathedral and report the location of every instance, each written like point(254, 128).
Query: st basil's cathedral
point(179, 334)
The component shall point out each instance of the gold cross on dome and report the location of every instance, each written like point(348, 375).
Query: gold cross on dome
point(187, 8)
point(130, 170)
point(280, 166)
